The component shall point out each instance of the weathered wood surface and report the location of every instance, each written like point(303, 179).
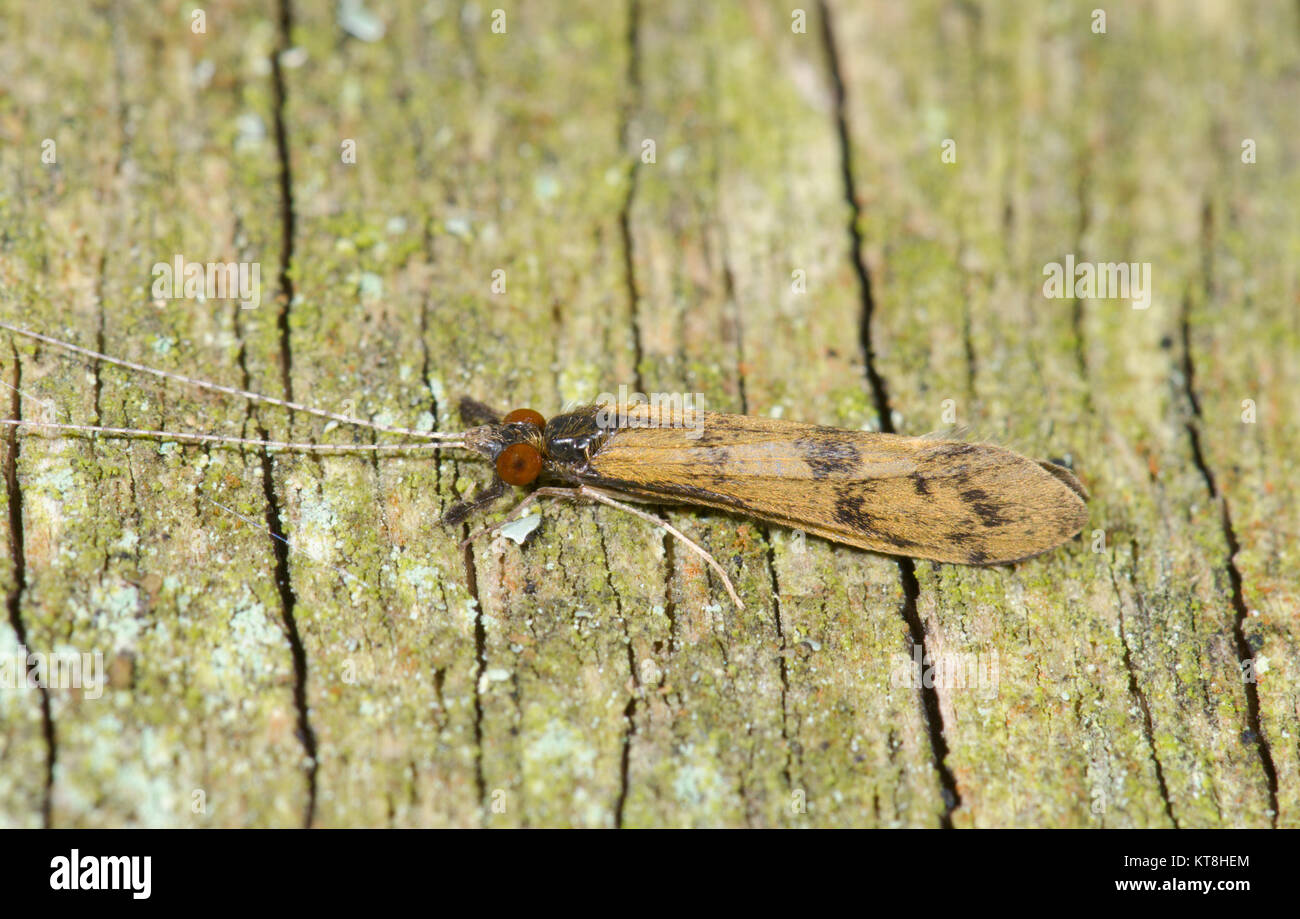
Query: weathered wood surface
point(597, 676)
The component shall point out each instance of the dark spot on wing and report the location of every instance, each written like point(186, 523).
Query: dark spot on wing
point(978, 557)
point(848, 511)
point(949, 458)
point(919, 483)
point(988, 510)
point(825, 455)
point(718, 459)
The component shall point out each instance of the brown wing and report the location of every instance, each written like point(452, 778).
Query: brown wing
point(943, 500)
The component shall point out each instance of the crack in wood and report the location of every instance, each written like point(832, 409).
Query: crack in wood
point(1135, 688)
point(625, 211)
point(480, 660)
point(880, 396)
point(288, 216)
point(13, 602)
point(1244, 651)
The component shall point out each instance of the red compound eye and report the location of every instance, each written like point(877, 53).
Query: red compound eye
point(519, 464)
point(527, 416)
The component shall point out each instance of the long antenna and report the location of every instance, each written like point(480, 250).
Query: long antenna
point(228, 390)
point(222, 439)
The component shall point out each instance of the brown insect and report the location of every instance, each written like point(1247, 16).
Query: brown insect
point(949, 501)
point(944, 500)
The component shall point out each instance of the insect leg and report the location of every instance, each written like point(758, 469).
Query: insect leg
point(586, 491)
point(596, 494)
point(462, 509)
point(518, 510)
point(473, 411)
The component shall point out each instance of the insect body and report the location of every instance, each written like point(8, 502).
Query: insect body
point(944, 500)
